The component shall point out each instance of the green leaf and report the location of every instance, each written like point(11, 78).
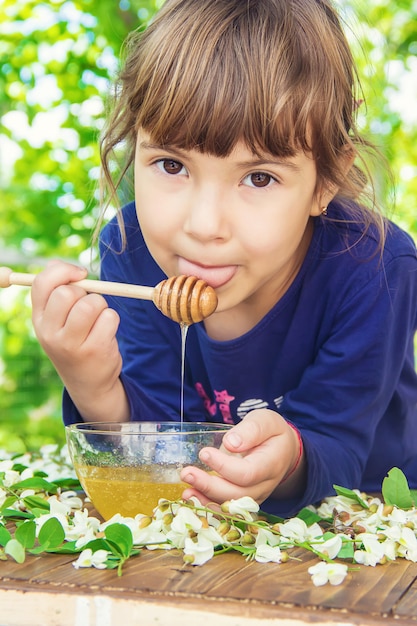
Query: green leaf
point(15, 549)
point(36, 483)
point(246, 551)
point(36, 503)
point(349, 493)
point(5, 536)
point(270, 518)
point(328, 535)
point(19, 467)
point(51, 535)
point(395, 489)
point(26, 534)
point(309, 517)
point(347, 550)
point(121, 537)
point(72, 484)
point(12, 514)
point(9, 501)
point(97, 544)
point(68, 547)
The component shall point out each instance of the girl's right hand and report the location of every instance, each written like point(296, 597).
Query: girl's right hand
point(77, 330)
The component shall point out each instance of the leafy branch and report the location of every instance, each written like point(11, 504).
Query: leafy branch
point(43, 515)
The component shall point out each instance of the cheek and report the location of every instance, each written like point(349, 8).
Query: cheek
point(264, 236)
point(148, 209)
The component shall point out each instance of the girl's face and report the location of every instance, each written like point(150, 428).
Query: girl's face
point(241, 223)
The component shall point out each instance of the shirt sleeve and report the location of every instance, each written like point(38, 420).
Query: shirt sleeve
point(343, 399)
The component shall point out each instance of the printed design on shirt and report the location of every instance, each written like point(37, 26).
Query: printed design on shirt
point(224, 399)
point(210, 407)
point(250, 405)
point(222, 402)
point(278, 401)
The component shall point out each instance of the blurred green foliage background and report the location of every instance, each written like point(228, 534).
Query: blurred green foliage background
point(56, 61)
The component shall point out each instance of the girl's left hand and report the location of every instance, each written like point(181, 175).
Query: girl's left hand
point(256, 456)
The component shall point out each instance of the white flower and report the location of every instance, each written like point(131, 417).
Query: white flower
point(70, 497)
point(268, 554)
point(82, 539)
point(57, 507)
point(26, 493)
point(211, 535)
point(11, 477)
point(322, 573)
point(243, 506)
point(116, 519)
point(407, 544)
point(27, 473)
point(186, 520)
point(265, 536)
point(6, 465)
point(49, 449)
point(62, 519)
point(83, 528)
point(331, 547)
point(88, 558)
point(201, 550)
point(397, 516)
point(297, 530)
point(373, 550)
point(161, 510)
point(151, 536)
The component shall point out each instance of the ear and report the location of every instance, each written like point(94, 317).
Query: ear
point(327, 190)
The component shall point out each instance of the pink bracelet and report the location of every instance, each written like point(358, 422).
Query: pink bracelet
point(299, 456)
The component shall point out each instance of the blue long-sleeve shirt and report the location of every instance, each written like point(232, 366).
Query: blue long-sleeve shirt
point(334, 356)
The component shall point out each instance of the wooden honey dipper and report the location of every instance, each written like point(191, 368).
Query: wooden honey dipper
point(185, 299)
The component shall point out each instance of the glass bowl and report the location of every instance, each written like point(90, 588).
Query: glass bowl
point(126, 468)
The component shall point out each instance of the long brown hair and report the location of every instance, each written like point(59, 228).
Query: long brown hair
point(277, 74)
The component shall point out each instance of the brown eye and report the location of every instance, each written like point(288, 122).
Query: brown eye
point(260, 179)
point(172, 167)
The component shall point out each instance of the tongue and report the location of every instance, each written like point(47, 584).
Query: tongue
point(213, 276)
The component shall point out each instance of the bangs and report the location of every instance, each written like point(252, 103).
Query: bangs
point(277, 75)
point(241, 74)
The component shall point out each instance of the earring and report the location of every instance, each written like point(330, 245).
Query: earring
point(324, 210)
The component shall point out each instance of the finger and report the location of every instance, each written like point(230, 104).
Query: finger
point(194, 493)
point(57, 273)
point(261, 463)
point(83, 317)
point(256, 427)
point(214, 488)
point(60, 303)
point(105, 327)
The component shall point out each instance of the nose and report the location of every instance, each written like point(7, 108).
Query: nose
point(206, 214)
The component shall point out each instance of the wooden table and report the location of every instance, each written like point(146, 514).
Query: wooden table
point(157, 589)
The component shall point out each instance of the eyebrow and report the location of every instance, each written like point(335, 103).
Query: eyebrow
point(146, 145)
point(268, 161)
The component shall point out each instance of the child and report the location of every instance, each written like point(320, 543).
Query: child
point(239, 119)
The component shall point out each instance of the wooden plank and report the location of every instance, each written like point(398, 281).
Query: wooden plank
point(34, 566)
point(407, 605)
point(367, 594)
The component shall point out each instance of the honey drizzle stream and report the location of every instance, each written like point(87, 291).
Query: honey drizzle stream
point(184, 329)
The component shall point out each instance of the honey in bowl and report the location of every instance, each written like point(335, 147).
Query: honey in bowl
point(128, 468)
point(127, 490)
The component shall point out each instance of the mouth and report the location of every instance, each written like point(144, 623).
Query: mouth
point(214, 275)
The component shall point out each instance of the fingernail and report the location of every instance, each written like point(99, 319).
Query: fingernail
point(204, 455)
point(234, 440)
point(189, 478)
